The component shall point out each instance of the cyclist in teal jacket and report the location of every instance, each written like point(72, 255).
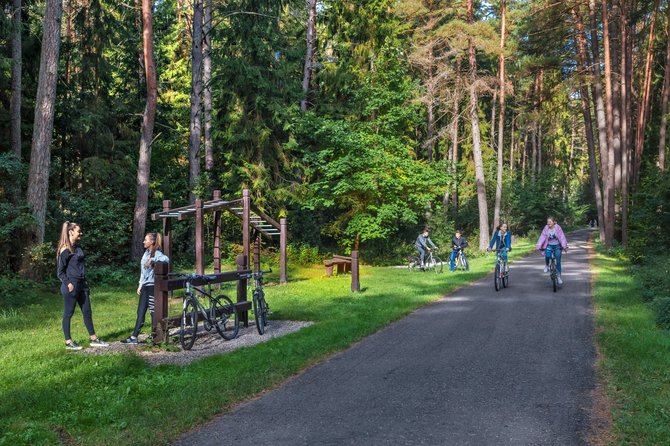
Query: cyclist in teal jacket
point(502, 240)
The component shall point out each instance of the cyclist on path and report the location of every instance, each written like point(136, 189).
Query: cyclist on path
point(422, 242)
point(552, 241)
point(502, 239)
point(152, 254)
point(458, 243)
point(71, 270)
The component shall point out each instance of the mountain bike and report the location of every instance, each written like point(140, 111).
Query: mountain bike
point(501, 274)
point(220, 312)
point(261, 307)
point(432, 263)
point(461, 261)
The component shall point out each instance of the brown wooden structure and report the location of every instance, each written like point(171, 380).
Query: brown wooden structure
point(253, 219)
point(345, 264)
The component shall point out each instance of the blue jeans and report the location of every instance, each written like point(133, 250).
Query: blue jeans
point(422, 254)
point(556, 249)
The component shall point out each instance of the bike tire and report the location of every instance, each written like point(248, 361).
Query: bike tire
point(505, 277)
point(225, 317)
point(464, 263)
point(496, 277)
point(438, 266)
point(188, 329)
point(259, 311)
point(413, 263)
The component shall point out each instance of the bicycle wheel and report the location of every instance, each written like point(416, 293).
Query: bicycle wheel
point(225, 318)
point(259, 311)
point(437, 264)
point(505, 276)
point(496, 277)
point(188, 328)
point(554, 278)
point(413, 263)
point(464, 262)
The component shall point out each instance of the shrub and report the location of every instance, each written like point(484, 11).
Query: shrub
point(662, 307)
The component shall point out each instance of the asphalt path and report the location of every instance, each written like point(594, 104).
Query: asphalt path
point(478, 367)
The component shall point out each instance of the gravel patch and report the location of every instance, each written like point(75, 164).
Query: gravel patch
point(206, 344)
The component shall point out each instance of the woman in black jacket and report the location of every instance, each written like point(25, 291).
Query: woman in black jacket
point(72, 274)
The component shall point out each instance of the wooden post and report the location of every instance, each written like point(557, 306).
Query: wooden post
point(167, 228)
point(161, 295)
point(199, 238)
point(283, 277)
point(246, 242)
point(257, 253)
point(242, 288)
point(355, 282)
point(217, 235)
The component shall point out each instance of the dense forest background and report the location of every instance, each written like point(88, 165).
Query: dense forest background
point(360, 121)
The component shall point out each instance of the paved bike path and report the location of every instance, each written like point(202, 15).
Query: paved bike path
point(475, 368)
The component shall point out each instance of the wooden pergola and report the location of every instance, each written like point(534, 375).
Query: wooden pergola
point(252, 219)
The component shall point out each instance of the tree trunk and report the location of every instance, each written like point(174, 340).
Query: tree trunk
point(454, 137)
point(601, 121)
point(308, 70)
point(609, 180)
point(501, 118)
point(512, 143)
point(195, 135)
point(492, 131)
point(477, 144)
point(645, 99)
point(15, 104)
point(540, 92)
point(207, 81)
point(626, 114)
point(662, 138)
point(148, 120)
point(582, 60)
point(40, 153)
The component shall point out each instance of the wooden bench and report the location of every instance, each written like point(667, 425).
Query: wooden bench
point(343, 264)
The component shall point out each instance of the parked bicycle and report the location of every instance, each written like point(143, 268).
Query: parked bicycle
point(461, 261)
point(220, 312)
point(501, 274)
point(432, 263)
point(261, 307)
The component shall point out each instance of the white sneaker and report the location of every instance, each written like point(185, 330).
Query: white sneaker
point(546, 269)
point(560, 281)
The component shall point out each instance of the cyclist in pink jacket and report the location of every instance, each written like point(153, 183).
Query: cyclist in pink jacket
point(552, 240)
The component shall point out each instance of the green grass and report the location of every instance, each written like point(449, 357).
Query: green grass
point(51, 396)
point(635, 362)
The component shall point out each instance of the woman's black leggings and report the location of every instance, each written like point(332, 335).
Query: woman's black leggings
point(146, 302)
point(80, 295)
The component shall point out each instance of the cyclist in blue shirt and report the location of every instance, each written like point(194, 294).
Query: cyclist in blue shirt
point(502, 240)
point(422, 242)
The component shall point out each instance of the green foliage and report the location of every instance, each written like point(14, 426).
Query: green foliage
point(650, 217)
point(662, 309)
point(104, 222)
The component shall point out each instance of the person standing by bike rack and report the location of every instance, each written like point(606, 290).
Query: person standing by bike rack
point(502, 240)
point(422, 242)
point(458, 243)
point(552, 241)
point(72, 274)
point(152, 254)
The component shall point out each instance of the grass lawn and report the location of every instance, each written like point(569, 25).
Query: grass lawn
point(635, 363)
point(52, 396)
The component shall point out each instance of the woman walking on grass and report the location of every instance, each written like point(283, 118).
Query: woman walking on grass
point(71, 271)
point(152, 254)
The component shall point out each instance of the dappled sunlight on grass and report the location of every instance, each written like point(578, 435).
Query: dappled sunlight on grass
point(47, 392)
point(635, 356)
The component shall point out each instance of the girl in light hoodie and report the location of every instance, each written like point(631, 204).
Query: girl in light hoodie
point(552, 240)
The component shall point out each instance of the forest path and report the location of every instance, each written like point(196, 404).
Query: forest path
point(478, 367)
